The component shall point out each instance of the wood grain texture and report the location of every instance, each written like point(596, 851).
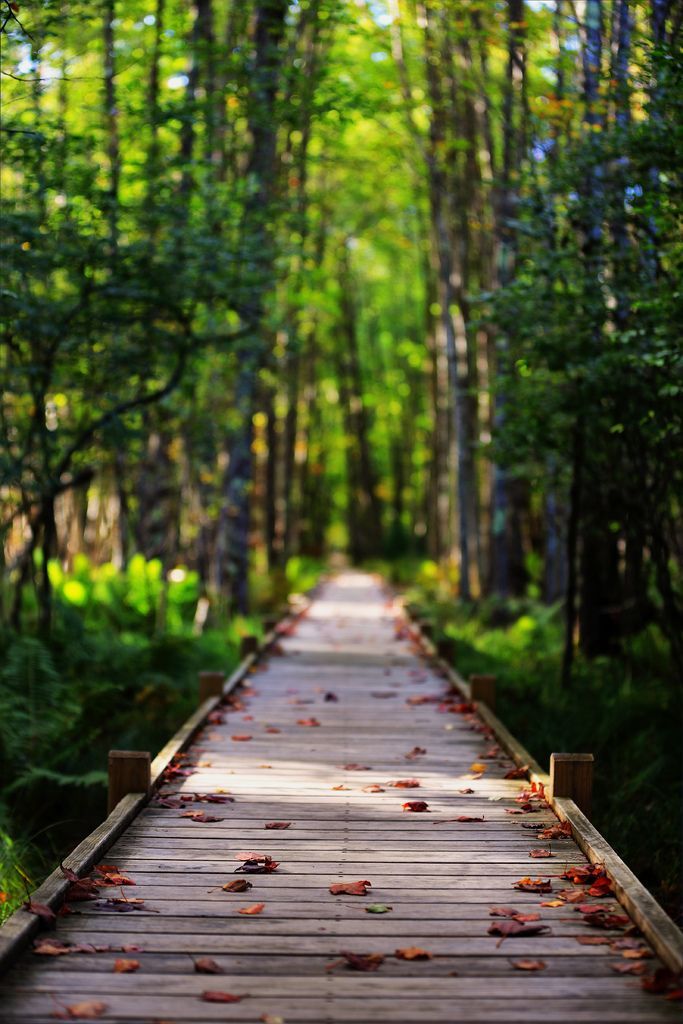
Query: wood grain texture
point(341, 707)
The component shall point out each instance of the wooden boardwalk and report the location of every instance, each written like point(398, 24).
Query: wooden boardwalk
point(380, 721)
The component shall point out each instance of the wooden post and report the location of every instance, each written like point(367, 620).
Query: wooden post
point(446, 648)
point(483, 688)
point(210, 685)
point(571, 775)
point(129, 772)
point(248, 645)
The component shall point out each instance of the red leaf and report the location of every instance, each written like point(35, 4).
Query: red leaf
point(277, 824)
point(255, 908)
point(515, 929)
point(406, 783)
point(663, 980)
point(561, 831)
point(466, 817)
point(350, 888)
point(307, 721)
point(517, 773)
point(374, 788)
point(272, 729)
point(221, 997)
point(540, 853)
point(416, 806)
point(241, 738)
point(123, 966)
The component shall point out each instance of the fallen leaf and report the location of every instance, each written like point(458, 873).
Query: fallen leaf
point(563, 830)
point(131, 947)
point(41, 910)
point(262, 865)
point(515, 929)
point(271, 1018)
point(415, 752)
point(553, 903)
point(540, 853)
point(466, 791)
point(221, 997)
point(205, 965)
point(629, 967)
point(353, 767)
point(240, 738)
point(358, 961)
point(272, 730)
point(527, 917)
point(412, 953)
point(467, 817)
point(533, 885)
point(307, 721)
point(330, 697)
point(478, 767)
point(663, 980)
point(199, 816)
point(503, 912)
point(350, 888)
point(378, 908)
point(517, 773)
point(255, 908)
point(123, 966)
point(277, 824)
point(592, 940)
point(239, 885)
point(338, 788)
point(416, 806)
point(374, 788)
point(405, 784)
point(528, 965)
point(89, 1009)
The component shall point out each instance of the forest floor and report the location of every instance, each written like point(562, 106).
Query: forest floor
point(319, 888)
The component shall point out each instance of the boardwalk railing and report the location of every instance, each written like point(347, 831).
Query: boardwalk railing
point(567, 789)
point(126, 800)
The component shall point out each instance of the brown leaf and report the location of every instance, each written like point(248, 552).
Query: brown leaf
point(517, 773)
point(241, 738)
point(272, 730)
point(89, 1009)
point(467, 817)
point(261, 865)
point(52, 947)
point(205, 965)
point(562, 830)
point(199, 816)
point(539, 853)
point(415, 752)
point(466, 791)
point(405, 783)
point(358, 961)
point(515, 929)
point(593, 940)
point(630, 967)
point(529, 965)
point(503, 912)
point(353, 767)
point(220, 997)
point(277, 824)
point(533, 885)
point(412, 953)
point(255, 908)
point(350, 888)
point(374, 788)
point(239, 885)
point(337, 788)
point(307, 721)
point(124, 966)
point(416, 806)
point(41, 910)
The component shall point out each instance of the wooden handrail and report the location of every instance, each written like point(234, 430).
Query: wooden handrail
point(658, 928)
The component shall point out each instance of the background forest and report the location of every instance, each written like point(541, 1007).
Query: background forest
point(394, 279)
